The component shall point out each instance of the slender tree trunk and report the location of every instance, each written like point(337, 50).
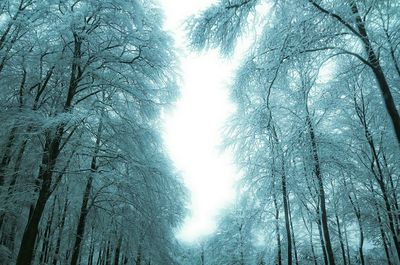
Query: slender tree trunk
point(318, 174)
point(50, 154)
point(312, 247)
point(321, 238)
point(278, 235)
point(80, 231)
point(60, 231)
point(378, 71)
point(294, 239)
point(46, 239)
point(108, 253)
point(82, 222)
point(357, 212)
point(376, 170)
point(347, 245)
point(381, 227)
point(7, 155)
point(99, 257)
point(117, 251)
point(285, 198)
point(287, 222)
point(91, 249)
point(341, 240)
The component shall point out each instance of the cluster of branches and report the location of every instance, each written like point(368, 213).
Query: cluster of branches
point(316, 132)
point(84, 178)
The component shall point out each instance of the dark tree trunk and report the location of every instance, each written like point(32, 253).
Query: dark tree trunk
point(60, 230)
point(49, 159)
point(118, 251)
point(287, 222)
point(342, 248)
point(91, 249)
point(50, 154)
point(80, 231)
point(285, 196)
point(82, 222)
point(321, 238)
point(373, 60)
point(108, 253)
point(294, 239)
point(7, 155)
point(376, 170)
point(347, 245)
point(318, 174)
point(44, 255)
point(278, 260)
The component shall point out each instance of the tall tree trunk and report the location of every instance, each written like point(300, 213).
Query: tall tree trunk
point(80, 231)
point(318, 174)
point(285, 198)
point(60, 230)
point(347, 245)
point(278, 260)
point(378, 71)
point(381, 227)
point(376, 170)
point(91, 248)
point(117, 251)
point(294, 239)
point(49, 159)
point(341, 240)
point(82, 222)
point(108, 253)
point(50, 154)
point(322, 241)
point(7, 155)
point(46, 239)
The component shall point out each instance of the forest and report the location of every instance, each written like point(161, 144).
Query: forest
point(85, 177)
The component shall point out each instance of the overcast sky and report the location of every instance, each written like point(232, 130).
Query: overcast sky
point(193, 128)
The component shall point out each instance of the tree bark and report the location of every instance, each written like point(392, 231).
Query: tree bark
point(60, 230)
point(118, 251)
point(80, 231)
point(49, 159)
point(50, 154)
point(278, 260)
point(378, 71)
point(318, 174)
point(341, 240)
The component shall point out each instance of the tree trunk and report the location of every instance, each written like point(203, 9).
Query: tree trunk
point(46, 239)
point(49, 159)
point(60, 230)
point(117, 251)
point(7, 155)
point(294, 239)
point(80, 231)
point(318, 174)
point(50, 154)
point(378, 72)
point(379, 175)
point(341, 240)
point(278, 260)
point(285, 198)
point(347, 245)
point(321, 238)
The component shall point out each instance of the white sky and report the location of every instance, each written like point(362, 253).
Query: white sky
point(193, 129)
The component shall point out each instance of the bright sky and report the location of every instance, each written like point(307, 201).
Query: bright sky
point(193, 129)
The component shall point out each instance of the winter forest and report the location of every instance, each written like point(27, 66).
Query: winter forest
point(85, 177)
